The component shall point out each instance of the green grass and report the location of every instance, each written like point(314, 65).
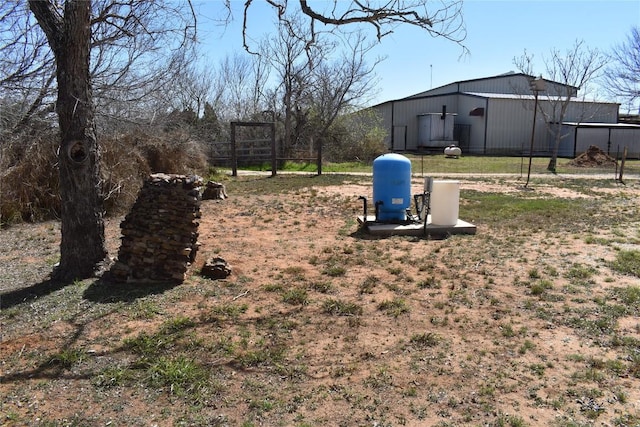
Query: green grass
point(180, 376)
point(335, 270)
point(260, 185)
point(341, 308)
point(425, 340)
point(231, 311)
point(630, 297)
point(394, 307)
point(438, 164)
point(67, 358)
point(627, 262)
point(521, 211)
point(114, 376)
point(296, 296)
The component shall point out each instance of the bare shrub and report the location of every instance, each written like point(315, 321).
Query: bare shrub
point(29, 190)
point(123, 170)
point(356, 137)
point(172, 152)
point(30, 184)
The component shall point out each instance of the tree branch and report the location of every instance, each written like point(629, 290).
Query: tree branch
point(50, 20)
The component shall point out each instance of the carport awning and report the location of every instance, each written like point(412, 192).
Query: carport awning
point(602, 125)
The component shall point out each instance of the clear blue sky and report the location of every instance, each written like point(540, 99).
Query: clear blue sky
point(497, 31)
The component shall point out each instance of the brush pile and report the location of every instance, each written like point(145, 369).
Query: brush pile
point(593, 157)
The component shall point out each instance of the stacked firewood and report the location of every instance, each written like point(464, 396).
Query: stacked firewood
point(160, 233)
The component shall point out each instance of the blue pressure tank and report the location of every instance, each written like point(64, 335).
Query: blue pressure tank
point(392, 186)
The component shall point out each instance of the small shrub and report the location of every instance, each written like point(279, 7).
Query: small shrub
point(296, 296)
point(322, 287)
point(335, 271)
point(429, 283)
point(540, 287)
point(341, 308)
point(629, 296)
point(395, 307)
point(424, 340)
point(580, 274)
point(526, 346)
point(369, 283)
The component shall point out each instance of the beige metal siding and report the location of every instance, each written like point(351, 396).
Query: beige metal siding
point(477, 123)
point(406, 114)
point(509, 127)
point(384, 110)
point(591, 112)
point(629, 138)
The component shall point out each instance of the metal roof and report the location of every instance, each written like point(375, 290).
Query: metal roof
point(499, 76)
point(603, 125)
point(541, 97)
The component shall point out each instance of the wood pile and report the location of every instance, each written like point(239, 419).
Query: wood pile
point(160, 233)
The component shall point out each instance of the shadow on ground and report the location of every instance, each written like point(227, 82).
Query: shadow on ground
point(18, 296)
point(106, 291)
point(100, 291)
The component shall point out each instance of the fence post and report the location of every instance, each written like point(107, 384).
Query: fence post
point(319, 160)
point(274, 158)
point(234, 158)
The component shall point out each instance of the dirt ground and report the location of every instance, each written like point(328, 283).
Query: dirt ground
point(321, 324)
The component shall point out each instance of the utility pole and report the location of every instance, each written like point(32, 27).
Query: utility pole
point(431, 67)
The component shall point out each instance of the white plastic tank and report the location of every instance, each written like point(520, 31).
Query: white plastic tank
point(453, 151)
point(445, 202)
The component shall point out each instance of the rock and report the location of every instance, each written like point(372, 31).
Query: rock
point(214, 191)
point(216, 268)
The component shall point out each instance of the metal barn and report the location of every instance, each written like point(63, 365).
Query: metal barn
point(492, 115)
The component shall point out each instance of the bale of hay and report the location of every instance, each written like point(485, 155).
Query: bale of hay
point(593, 157)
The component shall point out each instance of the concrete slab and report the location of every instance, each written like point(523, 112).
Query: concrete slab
point(416, 228)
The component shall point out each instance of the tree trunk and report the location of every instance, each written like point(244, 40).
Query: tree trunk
point(82, 247)
point(553, 161)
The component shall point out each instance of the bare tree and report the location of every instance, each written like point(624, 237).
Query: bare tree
point(69, 34)
point(574, 70)
point(72, 30)
point(240, 84)
point(439, 19)
point(344, 83)
point(137, 50)
point(316, 85)
point(293, 62)
point(27, 72)
point(302, 52)
point(621, 79)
